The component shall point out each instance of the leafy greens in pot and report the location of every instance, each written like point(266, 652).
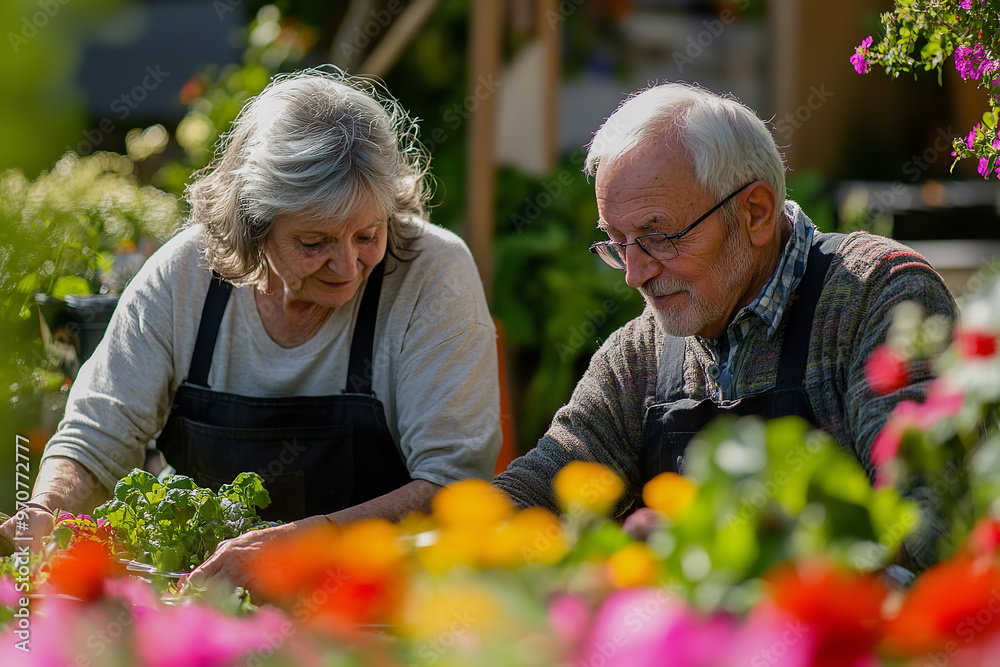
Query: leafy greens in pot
point(176, 525)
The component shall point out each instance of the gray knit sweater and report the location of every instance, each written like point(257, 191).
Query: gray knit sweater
point(603, 422)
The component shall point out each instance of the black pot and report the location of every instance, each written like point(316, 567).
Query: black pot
point(72, 329)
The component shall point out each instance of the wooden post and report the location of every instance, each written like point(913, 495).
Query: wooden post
point(486, 27)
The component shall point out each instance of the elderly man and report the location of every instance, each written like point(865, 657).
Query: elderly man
point(744, 300)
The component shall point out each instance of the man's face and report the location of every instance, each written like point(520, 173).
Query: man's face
point(653, 189)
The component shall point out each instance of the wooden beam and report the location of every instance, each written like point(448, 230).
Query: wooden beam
point(485, 30)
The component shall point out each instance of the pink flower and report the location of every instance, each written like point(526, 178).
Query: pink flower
point(984, 167)
point(569, 618)
point(909, 414)
point(974, 62)
point(9, 595)
point(860, 57)
point(640, 627)
point(199, 636)
point(886, 371)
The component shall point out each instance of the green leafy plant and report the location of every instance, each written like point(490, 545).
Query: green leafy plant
point(176, 525)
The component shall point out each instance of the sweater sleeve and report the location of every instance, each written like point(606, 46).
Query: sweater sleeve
point(602, 422)
point(901, 276)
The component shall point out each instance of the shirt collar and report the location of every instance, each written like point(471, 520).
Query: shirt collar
point(773, 298)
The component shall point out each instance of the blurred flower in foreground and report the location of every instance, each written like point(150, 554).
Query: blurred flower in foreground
point(199, 635)
point(957, 601)
point(336, 578)
point(633, 565)
point(840, 610)
point(80, 570)
point(480, 528)
point(588, 486)
point(669, 493)
point(886, 370)
point(940, 405)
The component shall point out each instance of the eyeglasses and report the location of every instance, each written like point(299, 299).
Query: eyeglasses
point(657, 245)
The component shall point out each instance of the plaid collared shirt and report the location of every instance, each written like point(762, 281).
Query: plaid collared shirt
point(766, 310)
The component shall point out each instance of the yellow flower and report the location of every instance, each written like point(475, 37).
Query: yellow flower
point(471, 502)
point(670, 494)
point(534, 536)
point(589, 486)
point(633, 565)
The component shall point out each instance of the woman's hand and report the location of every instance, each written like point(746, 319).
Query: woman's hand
point(26, 528)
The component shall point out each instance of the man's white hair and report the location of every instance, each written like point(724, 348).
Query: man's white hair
point(727, 144)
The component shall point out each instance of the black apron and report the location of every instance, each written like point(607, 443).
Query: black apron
point(671, 422)
point(317, 454)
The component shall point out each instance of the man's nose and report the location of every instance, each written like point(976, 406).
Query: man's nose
point(639, 266)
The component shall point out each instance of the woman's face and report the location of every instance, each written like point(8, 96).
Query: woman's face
point(325, 261)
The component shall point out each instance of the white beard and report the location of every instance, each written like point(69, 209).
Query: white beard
point(732, 274)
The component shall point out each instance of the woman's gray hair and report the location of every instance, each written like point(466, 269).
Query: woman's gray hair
point(318, 144)
point(727, 144)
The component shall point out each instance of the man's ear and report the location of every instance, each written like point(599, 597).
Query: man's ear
point(758, 213)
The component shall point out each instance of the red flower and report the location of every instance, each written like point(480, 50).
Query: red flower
point(977, 344)
point(952, 602)
point(886, 370)
point(843, 609)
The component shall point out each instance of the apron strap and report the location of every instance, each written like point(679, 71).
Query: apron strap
point(359, 369)
point(208, 330)
point(795, 349)
point(670, 383)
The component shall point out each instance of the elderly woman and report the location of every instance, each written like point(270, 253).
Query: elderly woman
point(308, 325)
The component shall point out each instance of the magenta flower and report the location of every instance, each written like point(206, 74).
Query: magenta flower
point(860, 57)
point(9, 595)
point(974, 62)
point(970, 140)
point(200, 636)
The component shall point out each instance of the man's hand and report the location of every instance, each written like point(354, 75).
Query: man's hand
point(26, 527)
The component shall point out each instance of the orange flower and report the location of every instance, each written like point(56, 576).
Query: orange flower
point(633, 565)
point(670, 494)
point(590, 486)
point(955, 601)
point(842, 608)
point(335, 578)
point(80, 570)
